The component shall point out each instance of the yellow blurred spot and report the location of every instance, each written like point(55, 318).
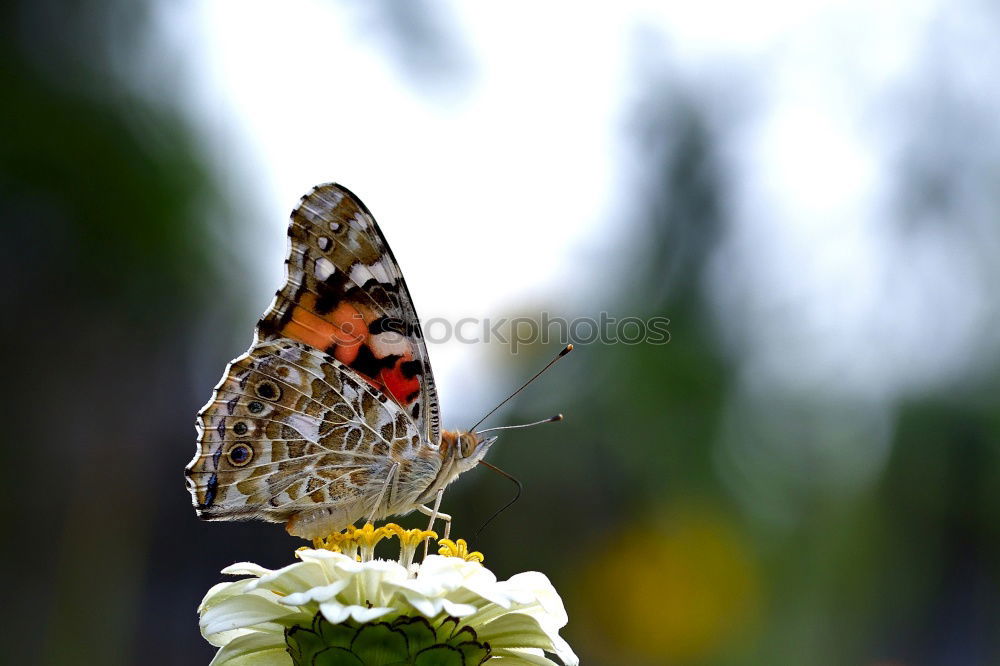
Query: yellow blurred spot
point(679, 592)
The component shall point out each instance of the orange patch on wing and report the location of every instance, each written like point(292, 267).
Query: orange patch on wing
point(320, 339)
point(344, 329)
point(402, 388)
point(352, 331)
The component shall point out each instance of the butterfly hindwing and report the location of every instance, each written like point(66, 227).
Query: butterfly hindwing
point(290, 430)
point(345, 296)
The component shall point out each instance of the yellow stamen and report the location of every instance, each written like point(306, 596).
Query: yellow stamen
point(334, 542)
point(415, 537)
point(409, 540)
point(359, 543)
point(366, 538)
point(459, 548)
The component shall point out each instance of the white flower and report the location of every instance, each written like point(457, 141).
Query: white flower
point(519, 618)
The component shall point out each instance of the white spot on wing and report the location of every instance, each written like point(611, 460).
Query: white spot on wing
point(382, 275)
point(359, 221)
point(388, 343)
point(324, 268)
point(361, 273)
point(307, 426)
point(324, 243)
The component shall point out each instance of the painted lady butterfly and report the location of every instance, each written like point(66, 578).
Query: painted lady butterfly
point(331, 416)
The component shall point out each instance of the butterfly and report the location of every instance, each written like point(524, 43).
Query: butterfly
point(332, 415)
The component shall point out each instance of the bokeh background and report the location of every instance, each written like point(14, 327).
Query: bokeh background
point(808, 473)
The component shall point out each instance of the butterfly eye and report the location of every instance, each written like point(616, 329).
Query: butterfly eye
point(239, 455)
point(255, 407)
point(240, 428)
point(468, 446)
point(268, 390)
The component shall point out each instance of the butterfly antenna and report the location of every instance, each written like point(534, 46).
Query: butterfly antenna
point(551, 419)
point(505, 506)
point(538, 374)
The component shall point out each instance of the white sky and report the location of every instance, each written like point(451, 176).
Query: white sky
point(492, 192)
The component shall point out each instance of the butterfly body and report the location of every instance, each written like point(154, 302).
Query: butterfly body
point(331, 416)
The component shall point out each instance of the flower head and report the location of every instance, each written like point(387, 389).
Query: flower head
point(445, 610)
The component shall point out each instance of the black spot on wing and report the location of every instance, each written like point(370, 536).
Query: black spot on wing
point(331, 291)
point(213, 481)
point(210, 491)
point(369, 365)
point(393, 325)
point(411, 369)
point(381, 325)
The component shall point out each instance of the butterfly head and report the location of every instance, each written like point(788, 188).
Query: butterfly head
point(464, 449)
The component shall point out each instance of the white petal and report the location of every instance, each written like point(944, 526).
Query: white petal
point(364, 614)
point(427, 585)
point(425, 606)
point(322, 593)
point(296, 577)
point(443, 572)
point(334, 611)
point(343, 564)
point(222, 591)
point(515, 630)
point(522, 657)
point(325, 558)
point(540, 588)
point(390, 568)
point(437, 566)
point(487, 613)
point(246, 569)
point(458, 610)
point(240, 612)
point(376, 578)
point(452, 576)
point(256, 649)
point(564, 651)
point(491, 592)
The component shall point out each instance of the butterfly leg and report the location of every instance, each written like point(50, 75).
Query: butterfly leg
point(435, 514)
point(381, 494)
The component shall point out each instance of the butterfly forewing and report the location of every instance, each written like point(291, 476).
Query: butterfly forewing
point(345, 295)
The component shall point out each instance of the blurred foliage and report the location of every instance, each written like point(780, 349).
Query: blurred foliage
point(106, 207)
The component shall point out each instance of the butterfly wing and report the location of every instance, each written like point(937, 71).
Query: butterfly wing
point(344, 295)
point(291, 431)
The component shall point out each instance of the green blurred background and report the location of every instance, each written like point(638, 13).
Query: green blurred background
point(755, 492)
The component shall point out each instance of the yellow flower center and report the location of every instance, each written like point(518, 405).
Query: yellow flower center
point(360, 543)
